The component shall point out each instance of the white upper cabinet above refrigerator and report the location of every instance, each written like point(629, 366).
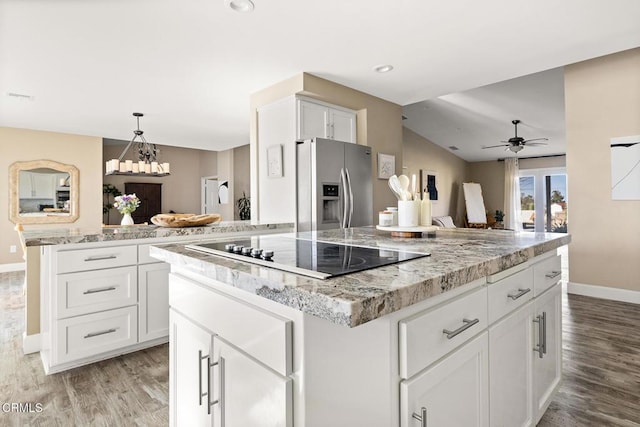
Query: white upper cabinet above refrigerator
point(317, 120)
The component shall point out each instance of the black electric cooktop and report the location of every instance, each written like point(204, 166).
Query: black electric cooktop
point(307, 257)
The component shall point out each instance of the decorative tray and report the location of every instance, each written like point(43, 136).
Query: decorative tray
point(185, 220)
point(416, 231)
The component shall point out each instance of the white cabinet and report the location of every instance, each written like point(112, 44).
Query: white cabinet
point(324, 121)
point(36, 185)
point(547, 360)
point(153, 294)
point(190, 350)
point(453, 392)
point(242, 378)
point(249, 394)
point(510, 375)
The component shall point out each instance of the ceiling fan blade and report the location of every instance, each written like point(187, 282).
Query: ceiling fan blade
point(494, 146)
point(535, 139)
point(536, 144)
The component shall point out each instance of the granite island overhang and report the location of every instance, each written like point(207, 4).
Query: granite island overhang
point(458, 257)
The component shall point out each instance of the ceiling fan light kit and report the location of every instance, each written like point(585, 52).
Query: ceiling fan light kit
point(147, 154)
point(517, 143)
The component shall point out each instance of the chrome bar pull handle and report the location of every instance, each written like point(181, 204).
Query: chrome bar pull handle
point(350, 198)
point(422, 417)
point(96, 334)
point(467, 324)
point(209, 402)
point(553, 274)
point(97, 290)
point(345, 193)
point(100, 258)
point(544, 332)
point(539, 347)
point(200, 393)
point(520, 293)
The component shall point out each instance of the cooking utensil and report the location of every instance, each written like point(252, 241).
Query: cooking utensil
point(396, 188)
point(404, 184)
point(414, 187)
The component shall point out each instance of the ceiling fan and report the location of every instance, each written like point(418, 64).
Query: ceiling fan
point(517, 143)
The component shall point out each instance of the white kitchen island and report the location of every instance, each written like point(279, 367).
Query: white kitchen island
point(469, 336)
point(102, 295)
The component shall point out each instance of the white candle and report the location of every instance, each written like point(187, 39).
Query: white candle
point(154, 167)
point(165, 168)
point(115, 164)
point(136, 168)
point(107, 166)
point(141, 166)
point(147, 168)
point(123, 167)
point(128, 165)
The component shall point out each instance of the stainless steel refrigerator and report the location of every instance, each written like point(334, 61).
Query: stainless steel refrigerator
point(335, 188)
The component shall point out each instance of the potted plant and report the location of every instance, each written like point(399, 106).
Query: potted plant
point(499, 216)
point(108, 191)
point(244, 207)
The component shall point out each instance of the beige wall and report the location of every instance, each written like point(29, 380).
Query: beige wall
point(543, 162)
point(451, 171)
point(84, 152)
point(225, 173)
point(241, 175)
point(602, 101)
point(181, 189)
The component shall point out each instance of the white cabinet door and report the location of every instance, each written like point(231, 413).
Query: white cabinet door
point(249, 394)
point(342, 125)
point(510, 376)
point(313, 120)
point(547, 364)
point(153, 293)
point(34, 185)
point(453, 392)
point(189, 375)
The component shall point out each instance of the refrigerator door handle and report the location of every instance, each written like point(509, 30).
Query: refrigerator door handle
point(350, 198)
point(343, 181)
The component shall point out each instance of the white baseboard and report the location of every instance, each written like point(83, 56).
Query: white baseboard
point(30, 343)
point(605, 292)
point(18, 266)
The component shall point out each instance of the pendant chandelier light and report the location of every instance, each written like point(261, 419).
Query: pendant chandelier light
point(145, 153)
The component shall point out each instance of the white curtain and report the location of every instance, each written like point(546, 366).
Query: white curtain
point(512, 194)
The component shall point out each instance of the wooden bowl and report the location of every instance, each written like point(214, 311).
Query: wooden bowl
point(185, 220)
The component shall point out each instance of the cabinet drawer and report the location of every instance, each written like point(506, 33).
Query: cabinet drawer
point(236, 322)
point(510, 293)
point(93, 259)
point(423, 339)
point(91, 291)
point(546, 273)
point(92, 334)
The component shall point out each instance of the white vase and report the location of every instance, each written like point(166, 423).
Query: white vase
point(126, 219)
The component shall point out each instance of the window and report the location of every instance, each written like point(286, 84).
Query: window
point(544, 200)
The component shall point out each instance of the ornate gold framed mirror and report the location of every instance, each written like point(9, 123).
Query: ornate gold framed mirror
point(43, 192)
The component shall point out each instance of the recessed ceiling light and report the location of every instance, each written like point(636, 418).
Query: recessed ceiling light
point(242, 6)
point(383, 68)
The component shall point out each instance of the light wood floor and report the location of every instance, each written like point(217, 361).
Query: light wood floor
point(125, 391)
point(601, 384)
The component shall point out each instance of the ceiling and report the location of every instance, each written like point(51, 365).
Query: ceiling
point(481, 117)
point(190, 67)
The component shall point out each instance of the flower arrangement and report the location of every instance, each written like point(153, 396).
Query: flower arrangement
point(126, 203)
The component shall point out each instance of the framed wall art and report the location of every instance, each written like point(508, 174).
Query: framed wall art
point(274, 161)
point(386, 165)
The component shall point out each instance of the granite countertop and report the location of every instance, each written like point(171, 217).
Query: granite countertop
point(61, 236)
point(458, 256)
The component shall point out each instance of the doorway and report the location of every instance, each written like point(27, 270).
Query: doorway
point(544, 200)
point(209, 195)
